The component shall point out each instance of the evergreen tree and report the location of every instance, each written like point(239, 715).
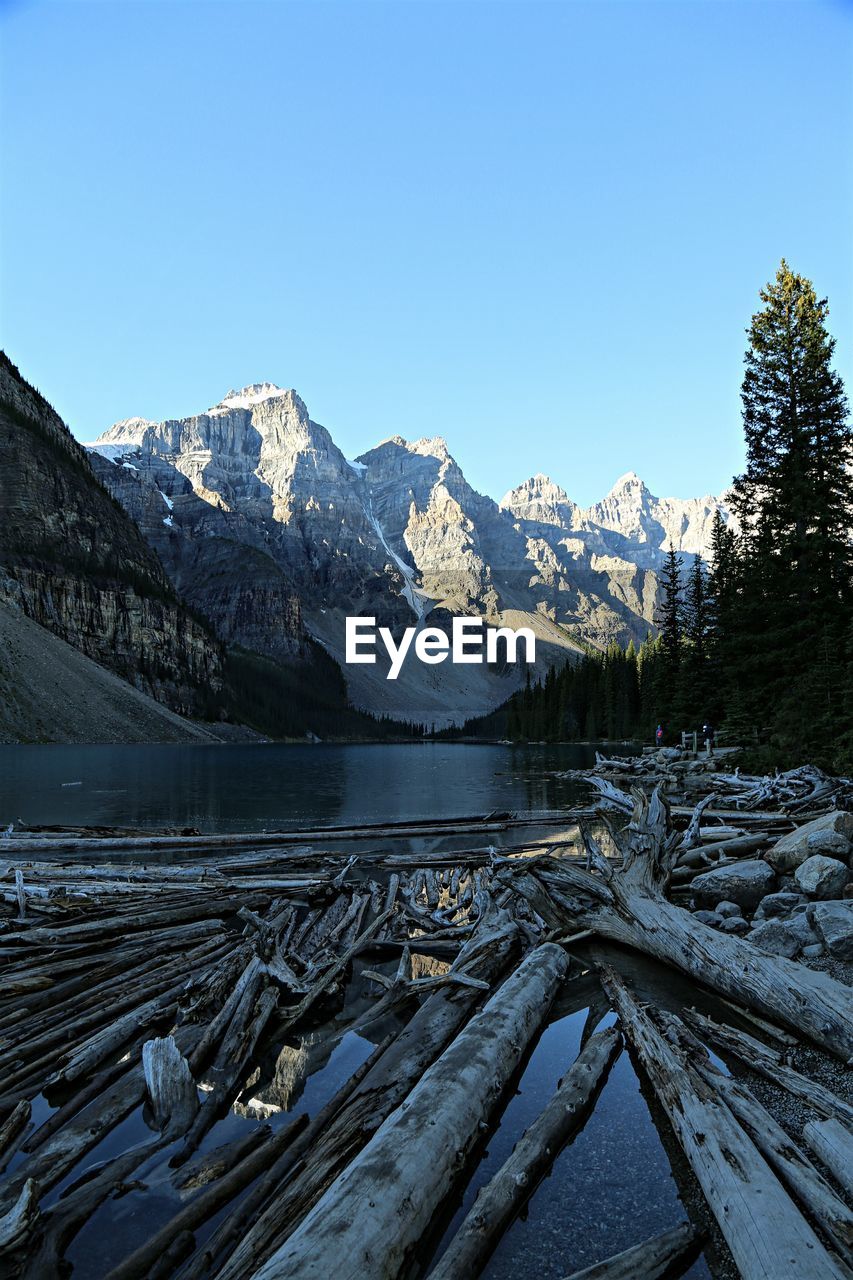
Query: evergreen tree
point(694, 689)
point(788, 636)
point(696, 619)
point(671, 613)
point(795, 498)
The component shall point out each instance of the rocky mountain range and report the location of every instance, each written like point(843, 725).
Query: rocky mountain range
point(269, 531)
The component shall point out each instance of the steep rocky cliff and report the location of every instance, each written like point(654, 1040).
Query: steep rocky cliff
point(74, 562)
point(51, 692)
point(256, 474)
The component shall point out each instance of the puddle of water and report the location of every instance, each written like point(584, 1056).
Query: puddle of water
point(121, 1225)
point(609, 1189)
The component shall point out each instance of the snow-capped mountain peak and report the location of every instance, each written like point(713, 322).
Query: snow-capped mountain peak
point(254, 393)
point(630, 480)
point(127, 434)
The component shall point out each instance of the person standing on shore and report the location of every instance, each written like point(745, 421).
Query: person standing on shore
point(708, 735)
point(659, 736)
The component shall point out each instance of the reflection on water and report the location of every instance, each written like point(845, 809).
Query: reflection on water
point(267, 786)
point(612, 1187)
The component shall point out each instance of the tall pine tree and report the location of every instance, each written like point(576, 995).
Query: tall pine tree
point(671, 613)
point(789, 635)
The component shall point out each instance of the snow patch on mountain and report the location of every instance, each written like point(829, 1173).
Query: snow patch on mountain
point(415, 598)
point(255, 393)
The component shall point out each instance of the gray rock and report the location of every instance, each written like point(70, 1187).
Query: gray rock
point(779, 904)
point(801, 928)
point(708, 917)
point(813, 950)
point(822, 877)
point(744, 883)
point(728, 910)
point(736, 925)
point(776, 937)
point(834, 923)
point(830, 834)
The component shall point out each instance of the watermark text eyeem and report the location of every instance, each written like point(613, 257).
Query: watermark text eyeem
point(471, 642)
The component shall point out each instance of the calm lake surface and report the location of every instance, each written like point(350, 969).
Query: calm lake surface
point(267, 786)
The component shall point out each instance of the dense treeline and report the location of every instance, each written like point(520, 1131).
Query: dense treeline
point(295, 701)
point(760, 643)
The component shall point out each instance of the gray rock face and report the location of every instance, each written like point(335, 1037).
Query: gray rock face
point(775, 937)
point(834, 923)
point(822, 877)
point(77, 565)
point(779, 904)
point(830, 834)
point(784, 937)
point(744, 883)
point(631, 519)
point(254, 509)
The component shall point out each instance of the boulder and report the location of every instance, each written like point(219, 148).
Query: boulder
point(744, 883)
point(813, 951)
point(830, 834)
point(779, 904)
point(802, 928)
point(728, 910)
point(822, 877)
point(834, 923)
point(708, 917)
point(774, 936)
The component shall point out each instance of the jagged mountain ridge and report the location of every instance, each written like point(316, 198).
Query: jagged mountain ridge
point(265, 525)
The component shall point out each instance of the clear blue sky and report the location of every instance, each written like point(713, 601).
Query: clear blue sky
point(536, 229)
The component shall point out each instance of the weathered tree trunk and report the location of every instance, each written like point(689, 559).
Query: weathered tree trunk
point(628, 906)
point(650, 1260)
point(832, 1143)
point(767, 1235)
point(171, 1089)
point(771, 1064)
point(500, 1201)
point(12, 1132)
point(371, 1219)
point(792, 1166)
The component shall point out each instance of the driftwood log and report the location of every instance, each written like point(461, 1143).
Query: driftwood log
point(663, 1255)
point(628, 905)
point(509, 1190)
point(735, 1178)
point(832, 1143)
point(788, 1161)
point(371, 1220)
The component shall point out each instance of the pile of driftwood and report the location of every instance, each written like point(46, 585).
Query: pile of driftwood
point(162, 1000)
point(682, 776)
